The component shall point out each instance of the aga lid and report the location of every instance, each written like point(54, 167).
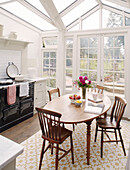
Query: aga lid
point(12, 70)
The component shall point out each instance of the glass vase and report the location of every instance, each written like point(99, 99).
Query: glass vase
point(84, 93)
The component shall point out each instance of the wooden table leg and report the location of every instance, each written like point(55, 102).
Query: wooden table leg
point(88, 136)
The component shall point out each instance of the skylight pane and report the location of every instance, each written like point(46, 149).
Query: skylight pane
point(38, 5)
point(62, 4)
point(78, 11)
point(111, 19)
point(91, 22)
point(75, 28)
point(27, 15)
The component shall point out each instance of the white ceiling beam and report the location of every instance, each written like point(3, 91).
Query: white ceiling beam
point(37, 12)
point(7, 2)
point(121, 3)
point(112, 9)
point(99, 2)
point(53, 13)
point(67, 10)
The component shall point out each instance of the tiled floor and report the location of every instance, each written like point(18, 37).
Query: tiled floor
point(113, 153)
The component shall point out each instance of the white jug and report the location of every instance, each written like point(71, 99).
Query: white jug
point(13, 35)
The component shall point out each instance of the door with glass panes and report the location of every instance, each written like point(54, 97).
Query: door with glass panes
point(113, 65)
point(49, 67)
point(102, 59)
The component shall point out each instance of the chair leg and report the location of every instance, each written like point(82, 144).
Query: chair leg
point(72, 150)
point(116, 136)
point(102, 143)
point(42, 153)
point(96, 131)
point(52, 148)
point(73, 127)
point(57, 152)
point(122, 141)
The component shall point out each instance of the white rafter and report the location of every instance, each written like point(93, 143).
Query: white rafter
point(121, 3)
point(99, 2)
point(37, 12)
point(68, 9)
point(53, 13)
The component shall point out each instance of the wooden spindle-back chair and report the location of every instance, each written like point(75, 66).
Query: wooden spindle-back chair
point(99, 88)
point(54, 133)
point(50, 92)
point(53, 91)
point(113, 123)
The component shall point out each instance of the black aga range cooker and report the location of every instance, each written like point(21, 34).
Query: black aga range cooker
point(17, 112)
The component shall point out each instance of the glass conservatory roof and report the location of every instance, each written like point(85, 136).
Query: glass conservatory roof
point(78, 11)
point(62, 4)
point(27, 15)
point(44, 14)
point(38, 5)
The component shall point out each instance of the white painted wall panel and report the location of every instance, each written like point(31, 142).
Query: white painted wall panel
point(32, 56)
point(9, 56)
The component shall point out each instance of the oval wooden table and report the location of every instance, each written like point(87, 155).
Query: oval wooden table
point(72, 114)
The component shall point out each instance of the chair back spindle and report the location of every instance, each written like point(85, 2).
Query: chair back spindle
point(50, 124)
point(118, 110)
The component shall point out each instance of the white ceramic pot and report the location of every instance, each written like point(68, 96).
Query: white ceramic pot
point(19, 77)
point(13, 35)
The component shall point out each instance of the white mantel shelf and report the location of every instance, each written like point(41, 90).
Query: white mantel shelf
point(8, 41)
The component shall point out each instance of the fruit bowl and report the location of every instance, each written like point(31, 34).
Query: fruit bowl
point(73, 98)
point(78, 102)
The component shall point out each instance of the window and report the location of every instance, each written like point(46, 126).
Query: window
point(69, 57)
point(88, 57)
point(111, 19)
point(127, 21)
point(27, 15)
point(78, 11)
point(91, 22)
point(50, 42)
point(75, 28)
point(49, 67)
point(61, 5)
point(114, 59)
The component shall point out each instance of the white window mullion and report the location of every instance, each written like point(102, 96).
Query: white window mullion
point(100, 17)
point(75, 59)
point(99, 60)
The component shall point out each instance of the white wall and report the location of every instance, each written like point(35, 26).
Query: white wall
point(32, 54)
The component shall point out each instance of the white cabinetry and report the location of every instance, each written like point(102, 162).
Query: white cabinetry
point(40, 93)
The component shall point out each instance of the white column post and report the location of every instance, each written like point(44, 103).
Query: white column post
point(75, 59)
point(60, 73)
point(127, 76)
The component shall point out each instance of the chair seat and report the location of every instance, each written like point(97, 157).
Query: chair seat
point(106, 123)
point(65, 133)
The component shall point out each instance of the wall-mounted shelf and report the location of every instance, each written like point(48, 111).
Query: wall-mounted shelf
point(9, 41)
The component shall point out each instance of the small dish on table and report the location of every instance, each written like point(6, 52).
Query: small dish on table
point(78, 103)
point(73, 98)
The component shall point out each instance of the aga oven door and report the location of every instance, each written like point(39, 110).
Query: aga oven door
point(26, 106)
